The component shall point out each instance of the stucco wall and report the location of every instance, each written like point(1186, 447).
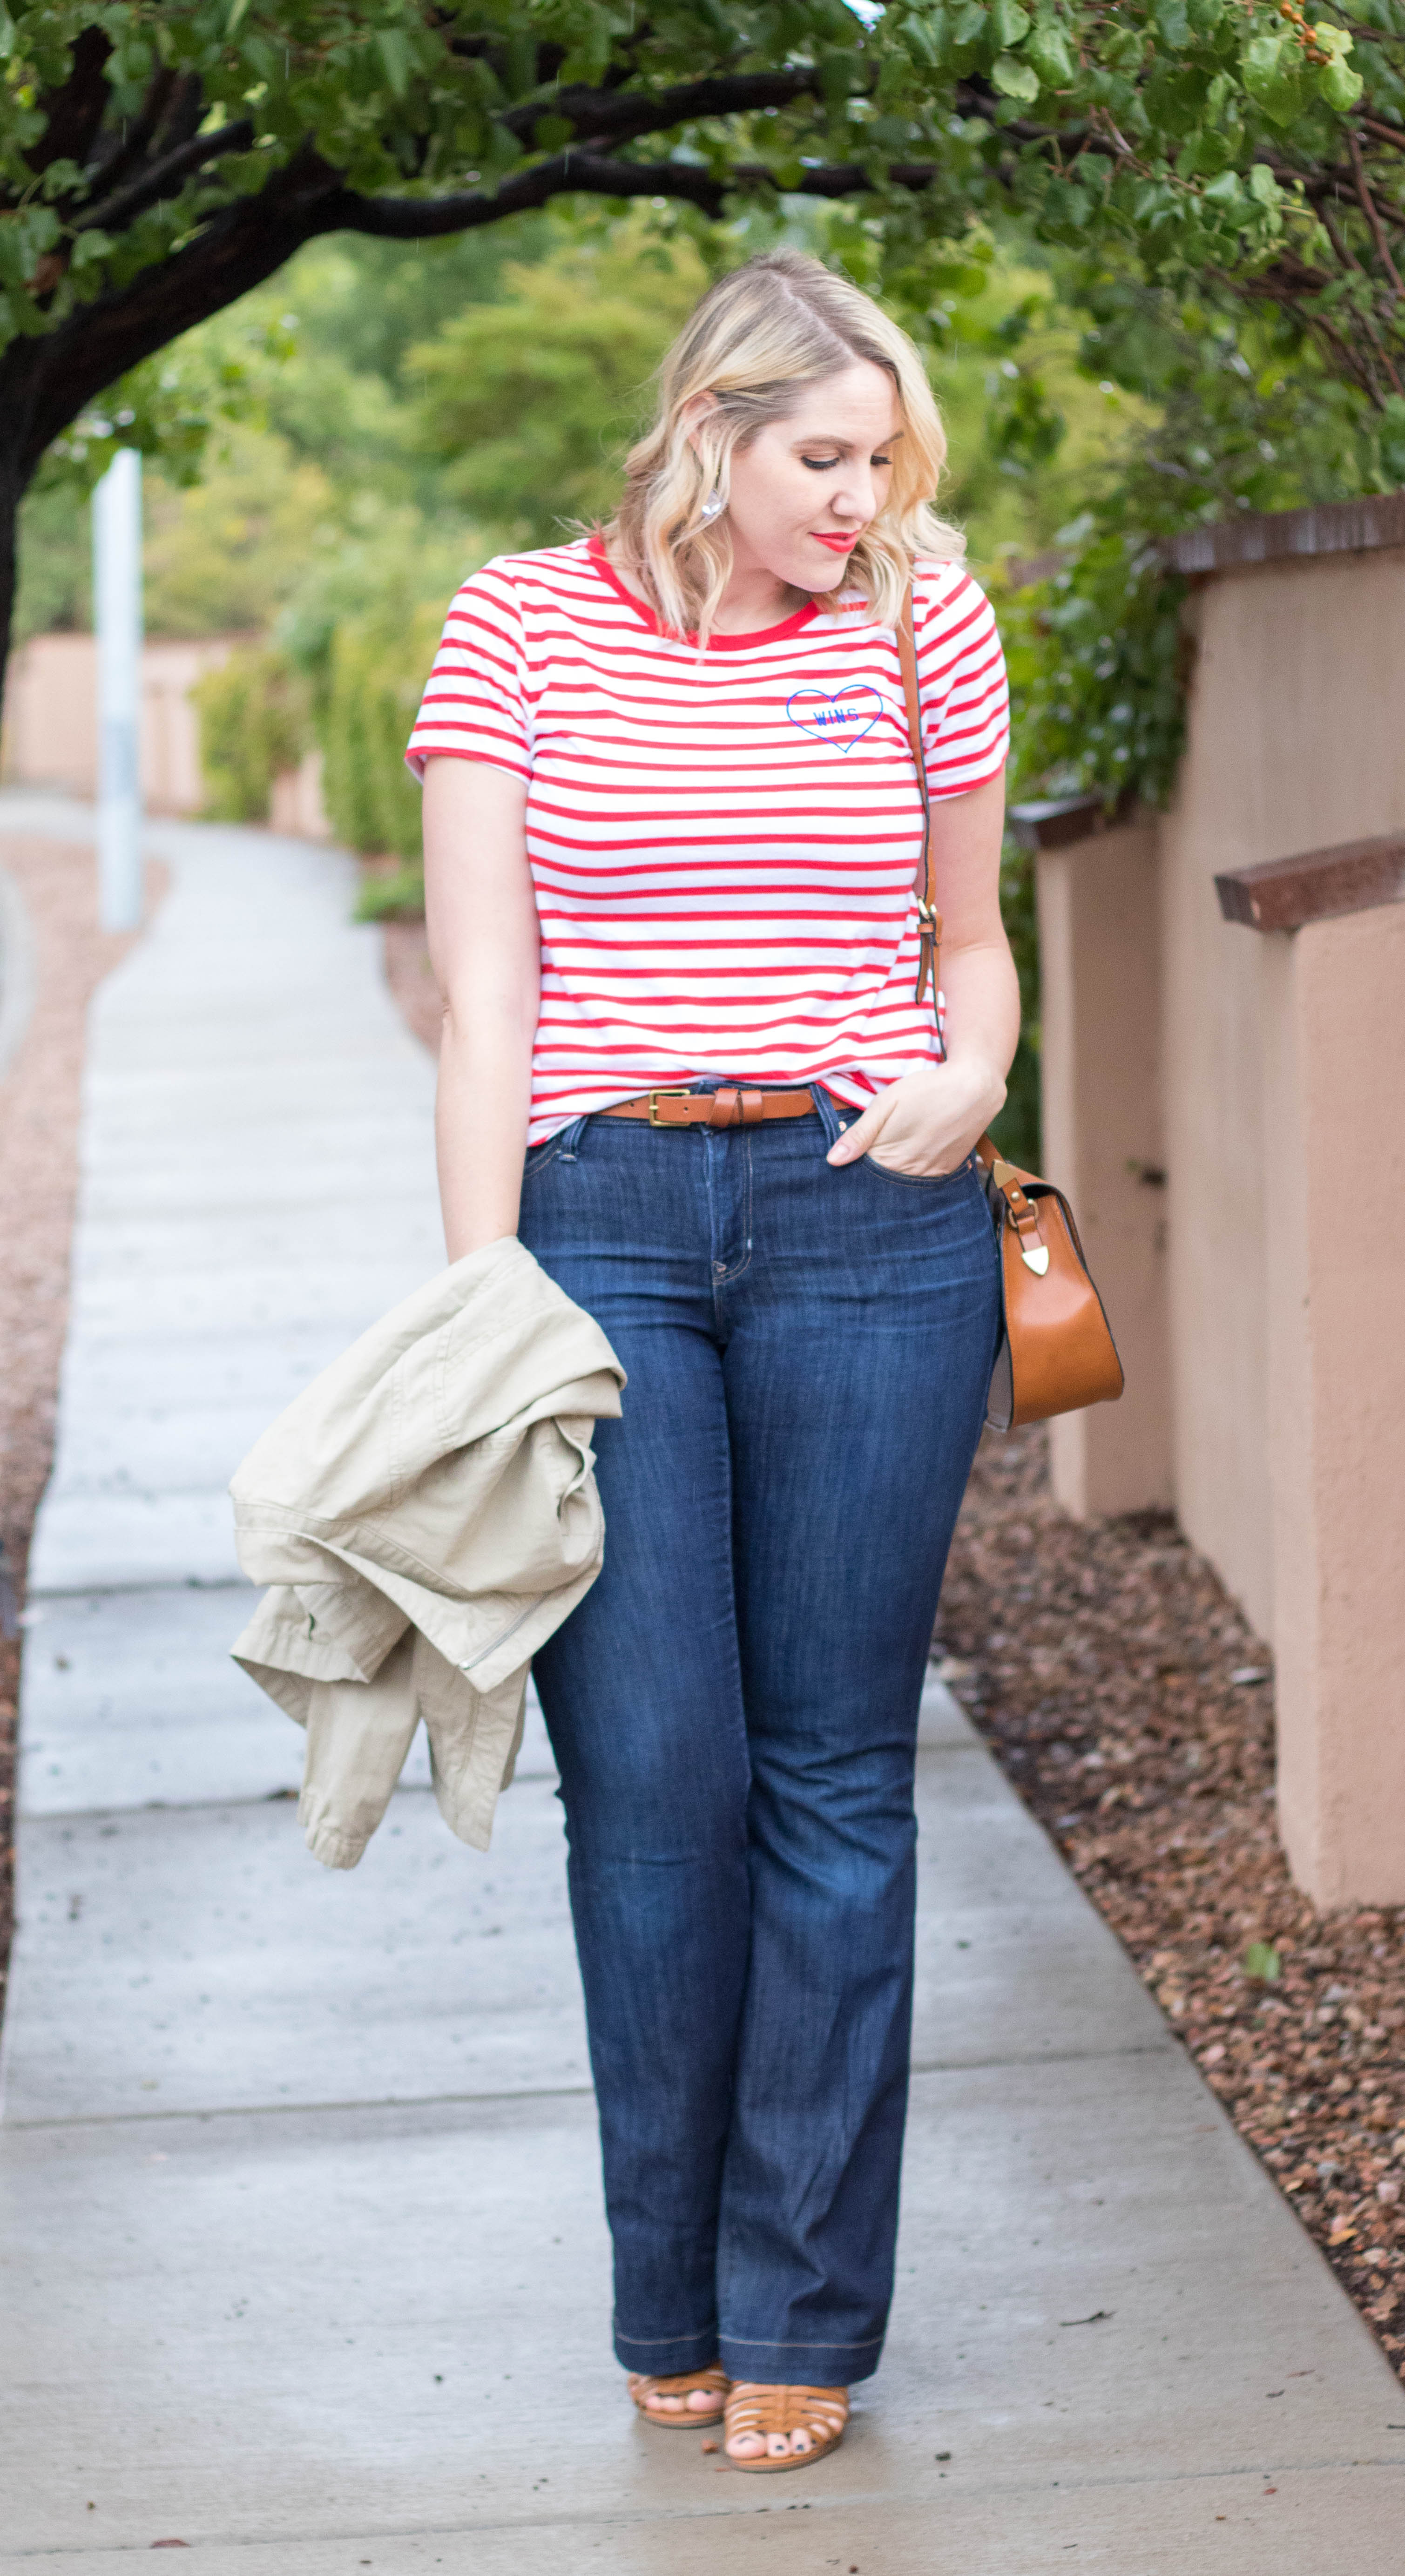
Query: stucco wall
point(51, 723)
point(1281, 1061)
point(1335, 1261)
point(1099, 946)
point(1297, 741)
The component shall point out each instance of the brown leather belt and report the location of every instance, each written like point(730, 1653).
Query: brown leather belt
point(730, 1107)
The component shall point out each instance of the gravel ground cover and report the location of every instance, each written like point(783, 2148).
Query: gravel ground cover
point(1132, 1707)
point(39, 1104)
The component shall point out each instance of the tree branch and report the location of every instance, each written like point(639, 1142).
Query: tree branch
point(1383, 133)
point(1338, 239)
point(164, 178)
point(837, 179)
point(187, 110)
point(128, 145)
point(620, 116)
point(587, 173)
point(573, 172)
point(1368, 208)
point(76, 111)
point(45, 383)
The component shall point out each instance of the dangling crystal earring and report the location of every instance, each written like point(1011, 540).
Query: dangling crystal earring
point(712, 508)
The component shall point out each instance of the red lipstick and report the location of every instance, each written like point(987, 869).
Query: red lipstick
point(838, 545)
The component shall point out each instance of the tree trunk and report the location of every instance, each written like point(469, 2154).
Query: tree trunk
point(45, 384)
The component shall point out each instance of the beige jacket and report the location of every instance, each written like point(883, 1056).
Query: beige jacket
point(426, 1513)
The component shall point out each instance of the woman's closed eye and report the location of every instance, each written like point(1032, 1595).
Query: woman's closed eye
point(827, 464)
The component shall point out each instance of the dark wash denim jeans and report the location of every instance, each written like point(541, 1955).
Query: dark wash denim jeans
point(734, 1707)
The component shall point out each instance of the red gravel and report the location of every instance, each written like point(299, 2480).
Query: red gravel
point(1132, 1707)
point(39, 1104)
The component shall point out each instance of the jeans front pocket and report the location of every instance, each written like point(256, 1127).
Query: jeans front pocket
point(563, 1143)
point(918, 1180)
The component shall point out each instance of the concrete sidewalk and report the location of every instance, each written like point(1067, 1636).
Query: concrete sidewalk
point(304, 2257)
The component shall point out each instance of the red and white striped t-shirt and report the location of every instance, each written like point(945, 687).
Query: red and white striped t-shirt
point(723, 848)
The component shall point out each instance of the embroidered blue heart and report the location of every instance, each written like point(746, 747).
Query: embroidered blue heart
point(838, 717)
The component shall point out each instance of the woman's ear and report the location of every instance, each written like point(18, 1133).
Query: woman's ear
point(694, 412)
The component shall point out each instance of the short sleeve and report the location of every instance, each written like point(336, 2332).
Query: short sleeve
point(475, 703)
point(965, 692)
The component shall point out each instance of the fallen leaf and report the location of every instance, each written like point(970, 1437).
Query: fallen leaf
point(1096, 2319)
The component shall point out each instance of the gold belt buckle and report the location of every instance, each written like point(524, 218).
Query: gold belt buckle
point(680, 1093)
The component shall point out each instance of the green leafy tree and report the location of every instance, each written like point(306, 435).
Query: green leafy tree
point(528, 403)
point(220, 557)
point(160, 157)
point(1241, 417)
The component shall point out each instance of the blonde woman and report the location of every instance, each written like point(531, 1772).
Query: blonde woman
point(672, 818)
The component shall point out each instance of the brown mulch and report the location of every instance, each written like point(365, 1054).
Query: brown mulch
point(39, 1103)
point(1132, 1707)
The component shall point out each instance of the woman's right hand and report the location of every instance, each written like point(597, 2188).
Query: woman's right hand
point(924, 1125)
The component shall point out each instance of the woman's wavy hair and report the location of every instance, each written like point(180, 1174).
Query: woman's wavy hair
point(758, 337)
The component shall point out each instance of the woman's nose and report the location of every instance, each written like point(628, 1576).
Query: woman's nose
point(856, 498)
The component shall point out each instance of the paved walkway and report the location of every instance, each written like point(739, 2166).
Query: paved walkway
point(304, 2256)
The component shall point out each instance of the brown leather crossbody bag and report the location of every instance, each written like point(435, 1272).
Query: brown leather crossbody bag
point(1056, 1349)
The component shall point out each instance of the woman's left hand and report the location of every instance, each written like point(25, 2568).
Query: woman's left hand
point(926, 1124)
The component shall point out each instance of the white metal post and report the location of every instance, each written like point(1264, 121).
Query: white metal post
point(117, 615)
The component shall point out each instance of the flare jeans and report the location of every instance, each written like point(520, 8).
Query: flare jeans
point(733, 1707)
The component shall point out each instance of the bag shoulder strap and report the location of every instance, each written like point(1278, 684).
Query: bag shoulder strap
point(929, 933)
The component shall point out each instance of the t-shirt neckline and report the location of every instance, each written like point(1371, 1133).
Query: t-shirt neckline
point(716, 643)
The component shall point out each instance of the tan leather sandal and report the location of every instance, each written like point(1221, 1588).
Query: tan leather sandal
point(819, 2414)
point(682, 2417)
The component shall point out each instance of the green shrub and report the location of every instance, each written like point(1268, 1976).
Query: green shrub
point(396, 896)
point(255, 720)
point(376, 678)
point(1017, 1128)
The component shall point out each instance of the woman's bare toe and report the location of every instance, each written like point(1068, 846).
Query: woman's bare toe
point(698, 2401)
point(762, 2427)
point(687, 2397)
